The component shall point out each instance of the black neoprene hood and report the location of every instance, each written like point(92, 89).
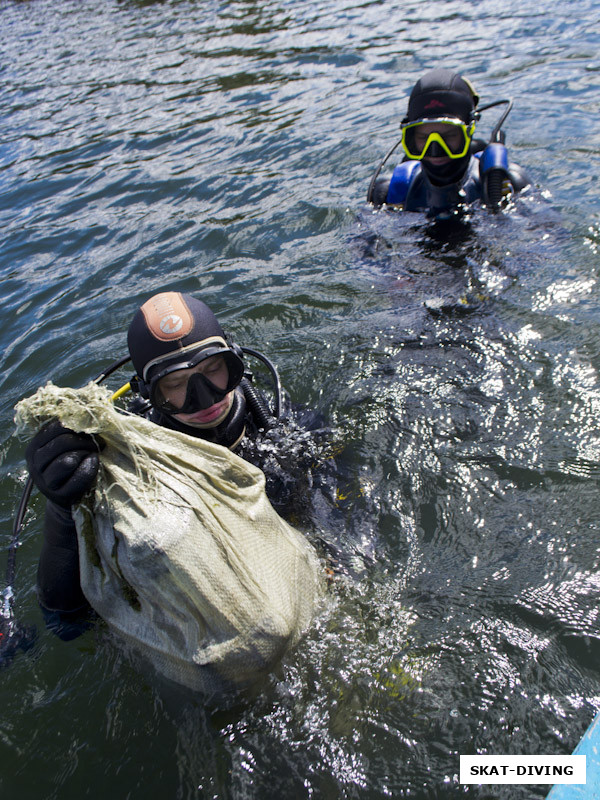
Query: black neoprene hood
point(441, 93)
point(166, 324)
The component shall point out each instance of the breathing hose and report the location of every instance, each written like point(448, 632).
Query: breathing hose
point(495, 153)
point(261, 414)
point(494, 187)
point(378, 170)
point(498, 135)
point(277, 388)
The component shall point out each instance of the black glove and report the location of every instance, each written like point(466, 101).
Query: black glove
point(62, 463)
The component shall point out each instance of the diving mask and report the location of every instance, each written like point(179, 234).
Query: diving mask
point(434, 138)
point(197, 382)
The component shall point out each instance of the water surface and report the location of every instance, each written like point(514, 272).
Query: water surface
point(225, 149)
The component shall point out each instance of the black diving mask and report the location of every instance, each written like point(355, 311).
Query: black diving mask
point(197, 383)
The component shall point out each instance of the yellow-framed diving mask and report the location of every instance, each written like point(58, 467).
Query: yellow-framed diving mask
point(445, 136)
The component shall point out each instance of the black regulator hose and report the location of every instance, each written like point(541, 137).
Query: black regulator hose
point(494, 187)
point(371, 188)
point(497, 134)
point(496, 176)
point(261, 414)
point(277, 388)
point(13, 634)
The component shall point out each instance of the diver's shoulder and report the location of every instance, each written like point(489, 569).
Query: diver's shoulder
point(393, 187)
point(519, 176)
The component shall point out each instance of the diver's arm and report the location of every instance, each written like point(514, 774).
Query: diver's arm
point(63, 604)
point(518, 177)
point(63, 465)
point(380, 190)
point(58, 568)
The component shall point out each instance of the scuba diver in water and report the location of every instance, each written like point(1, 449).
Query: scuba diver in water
point(445, 169)
point(189, 378)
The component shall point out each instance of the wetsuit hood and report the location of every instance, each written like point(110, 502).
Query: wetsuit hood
point(167, 325)
point(446, 174)
point(442, 93)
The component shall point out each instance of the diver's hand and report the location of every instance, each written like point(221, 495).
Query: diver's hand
point(62, 463)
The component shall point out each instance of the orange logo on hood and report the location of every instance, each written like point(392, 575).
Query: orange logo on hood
point(167, 316)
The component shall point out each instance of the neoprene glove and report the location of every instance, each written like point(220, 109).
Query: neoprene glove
point(62, 463)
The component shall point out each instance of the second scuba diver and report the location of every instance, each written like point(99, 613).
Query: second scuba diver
point(189, 378)
point(444, 167)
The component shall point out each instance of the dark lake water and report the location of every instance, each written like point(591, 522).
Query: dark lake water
point(225, 149)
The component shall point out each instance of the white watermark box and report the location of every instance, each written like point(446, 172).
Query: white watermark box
point(522, 769)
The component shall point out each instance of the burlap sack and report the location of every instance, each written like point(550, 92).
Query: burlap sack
point(180, 550)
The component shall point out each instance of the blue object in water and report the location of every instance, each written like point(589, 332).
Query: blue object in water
point(589, 747)
point(495, 156)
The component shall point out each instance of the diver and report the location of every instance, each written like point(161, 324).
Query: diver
point(189, 378)
point(445, 169)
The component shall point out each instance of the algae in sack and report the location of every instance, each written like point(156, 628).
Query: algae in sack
point(180, 550)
